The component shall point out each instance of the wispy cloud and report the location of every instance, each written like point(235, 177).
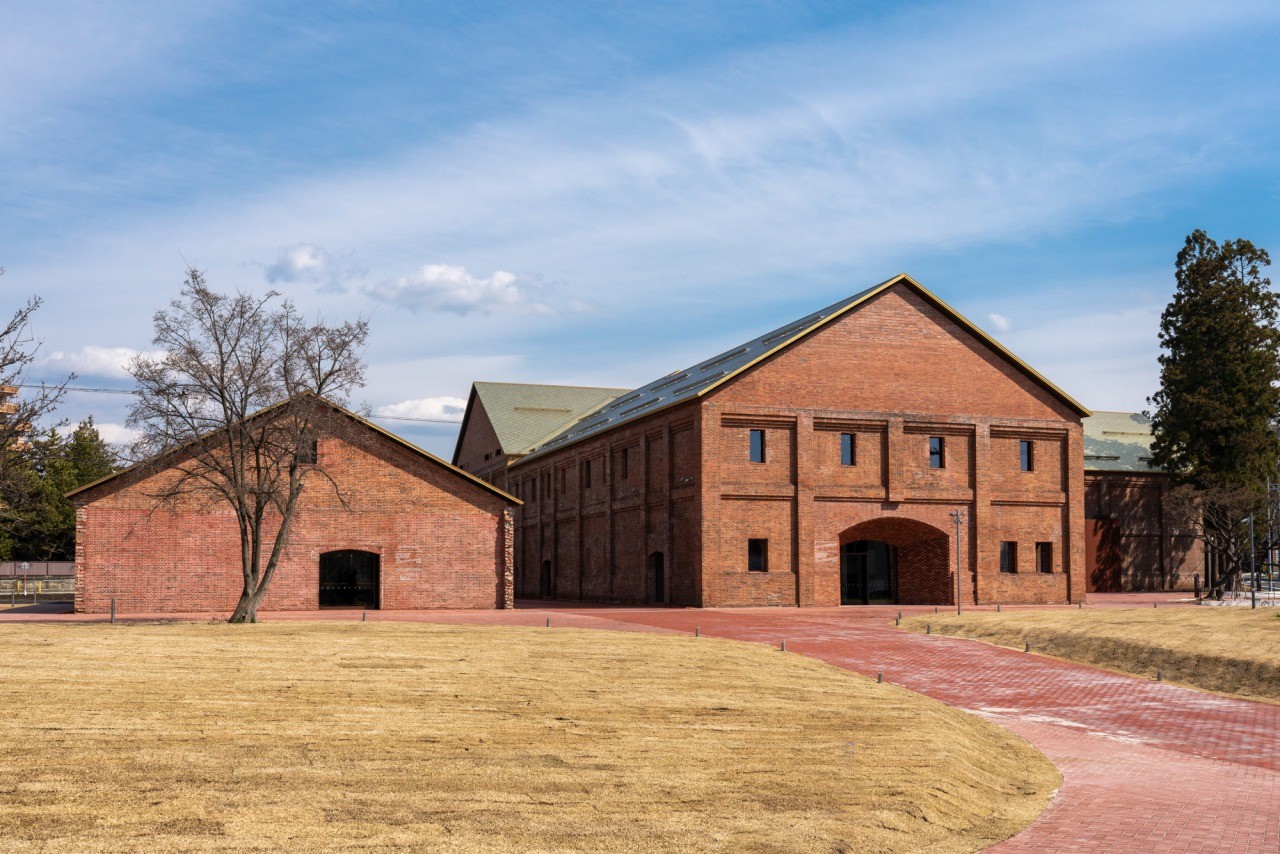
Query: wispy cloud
point(445, 287)
point(116, 434)
point(433, 408)
point(999, 322)
point(94, 361)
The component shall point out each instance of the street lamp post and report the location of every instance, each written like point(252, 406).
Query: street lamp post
point(957, 516)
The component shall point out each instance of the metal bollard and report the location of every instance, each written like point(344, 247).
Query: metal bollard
point(548, 622)
point(697, 631)
point(935, 609)
point(879, 677)
point(1159, 675)
point(1027, 648)
point(1197, 588)
point(784, 646)
point(113, 610)
point(1155, 604)
point(362, 616)
point(997, 607)
point(928, 628)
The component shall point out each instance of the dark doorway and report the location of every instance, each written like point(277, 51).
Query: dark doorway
point(868, 573)
point(657, 578)
point(349, 579)
point(1102, 556)
point(544, 580)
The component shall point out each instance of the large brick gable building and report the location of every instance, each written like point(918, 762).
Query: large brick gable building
point(818, 464)
point(388, 525)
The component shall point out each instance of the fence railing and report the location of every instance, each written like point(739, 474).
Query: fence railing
point(37, 569)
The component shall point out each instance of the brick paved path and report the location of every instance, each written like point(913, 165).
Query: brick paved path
point(1147, 766)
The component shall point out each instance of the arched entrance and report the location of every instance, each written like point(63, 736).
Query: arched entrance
point(868, 573)
point(349, 578)
point(657, 586)
point(544, 580)
point(893, 560)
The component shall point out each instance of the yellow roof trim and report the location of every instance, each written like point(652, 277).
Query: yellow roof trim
point(353, 416)
point(964, 322)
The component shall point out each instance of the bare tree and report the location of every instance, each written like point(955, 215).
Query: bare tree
point(1218, 517)
point(229, 413)
point(23, 402)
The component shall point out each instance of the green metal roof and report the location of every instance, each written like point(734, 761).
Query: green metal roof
point(704, 377)
point(1118, 441)
point(524, 414)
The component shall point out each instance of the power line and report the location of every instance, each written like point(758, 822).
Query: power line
point(131, 391)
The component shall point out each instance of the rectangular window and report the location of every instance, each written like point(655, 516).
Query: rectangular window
point(937, 452)
point(758, 555)
point(757, 446)
point(848, 449)
point(1008, 557)
point(622, 464)
point(562, 490)
point(1044, 557)
point(308, 451)
point(586, 474)
point(1025, 455)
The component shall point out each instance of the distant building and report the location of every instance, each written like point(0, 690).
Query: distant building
point(818, 464)
point(388, 526)
point(1130, 545)
point(504, 421)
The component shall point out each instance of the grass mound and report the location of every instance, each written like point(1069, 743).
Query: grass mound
point(1231, 650)
point(380, 736)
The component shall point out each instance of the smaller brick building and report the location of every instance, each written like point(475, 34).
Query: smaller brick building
point(1129, 546)
point(389, 525)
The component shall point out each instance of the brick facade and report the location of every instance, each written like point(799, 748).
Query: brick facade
point(443, 540)
point(676, 489)
point(1130, 546)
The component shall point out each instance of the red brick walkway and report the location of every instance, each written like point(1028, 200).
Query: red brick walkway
point(1147, 766)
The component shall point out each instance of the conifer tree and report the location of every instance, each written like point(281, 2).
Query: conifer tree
point(1217, 410)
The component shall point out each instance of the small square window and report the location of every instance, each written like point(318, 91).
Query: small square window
point(937, 452)
point(757, 446)
point(308, 451)
point(1044, 557)
point(1026, 455)
point(758, 555)
point(1008, 556)
point(848, 449)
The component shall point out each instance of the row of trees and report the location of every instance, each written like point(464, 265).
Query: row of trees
point(1216, 416)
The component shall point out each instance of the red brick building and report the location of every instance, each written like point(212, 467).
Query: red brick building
point(817, 464)
point(397, 528)
point(1130, 546)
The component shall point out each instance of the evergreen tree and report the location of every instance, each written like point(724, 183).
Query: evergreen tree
point(41, 524)
point(1217, 408)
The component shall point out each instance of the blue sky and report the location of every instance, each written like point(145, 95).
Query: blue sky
point(600, 193)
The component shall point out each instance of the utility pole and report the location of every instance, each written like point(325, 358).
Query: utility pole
point(957, 516)
point(1253, 568)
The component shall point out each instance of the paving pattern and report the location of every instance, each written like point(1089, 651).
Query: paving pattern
point(1147, 766)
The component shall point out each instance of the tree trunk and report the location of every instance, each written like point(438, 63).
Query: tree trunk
point(247, 608)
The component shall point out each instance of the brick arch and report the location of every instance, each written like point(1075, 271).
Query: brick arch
point(924, 573)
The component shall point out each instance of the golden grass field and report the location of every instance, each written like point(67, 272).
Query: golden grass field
point(382, 736)
point(1227, 649)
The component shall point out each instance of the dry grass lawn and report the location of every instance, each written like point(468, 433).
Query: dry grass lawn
point(1226, 649)
point(381, 736)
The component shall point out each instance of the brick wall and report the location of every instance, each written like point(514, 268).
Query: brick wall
point(1131, 548)
point(893, 373)
point(442, 541)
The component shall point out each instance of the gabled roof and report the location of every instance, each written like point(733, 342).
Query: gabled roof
point(523, 414)
point(1118, 441)
point(705, 377)
point(384, 433)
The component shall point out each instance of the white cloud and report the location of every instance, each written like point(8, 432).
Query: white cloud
point(446, 287)
point(999, 322)
point(303, 262)
point(116, 434)
point(436, 408)
point(92, 360)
